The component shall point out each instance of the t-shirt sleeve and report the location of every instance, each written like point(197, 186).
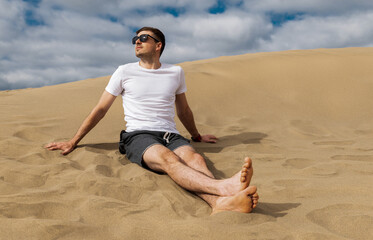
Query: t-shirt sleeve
point(182, 86)
point(115, 86)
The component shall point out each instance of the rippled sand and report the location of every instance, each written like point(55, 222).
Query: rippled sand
point(304, 117)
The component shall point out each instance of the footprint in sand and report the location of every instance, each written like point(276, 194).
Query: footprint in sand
point(319, 236)
point(362, 158)
point(35, 121)
point(289, 188)
point(347, 220)
point(253, 219)
point(41, 158)
point(42, 210)
point(307, 128)
point(104, 170)
point(234, 128)
point(269, 159)
point(33, 133)
point(365, 149)
point(334, 143)
point(298, 163)
point(364, 132)
point(322, 170)
point(7, 188)
point(290, 183)
point(24, 177)
point(14, 148)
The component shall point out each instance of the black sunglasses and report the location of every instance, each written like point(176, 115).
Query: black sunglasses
point(143, 38)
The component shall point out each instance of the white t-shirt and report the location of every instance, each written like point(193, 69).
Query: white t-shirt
point(148, 95)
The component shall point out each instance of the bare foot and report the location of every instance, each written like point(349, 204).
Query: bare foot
point(244, 201)
point(240, 180)
point(255, 199)
point(246, 173)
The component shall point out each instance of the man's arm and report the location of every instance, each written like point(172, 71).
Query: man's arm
point(186, 117)
point(90, 122)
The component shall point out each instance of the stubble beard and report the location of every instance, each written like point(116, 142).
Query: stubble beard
point(144, 55)
point(139, 55)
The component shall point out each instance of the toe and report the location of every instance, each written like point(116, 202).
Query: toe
point(256, 195)
point(251, 190)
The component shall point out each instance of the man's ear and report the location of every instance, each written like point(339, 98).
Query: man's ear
point(159, 46)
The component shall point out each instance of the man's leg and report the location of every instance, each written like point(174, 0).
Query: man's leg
point(160, 158)
point(194, 160)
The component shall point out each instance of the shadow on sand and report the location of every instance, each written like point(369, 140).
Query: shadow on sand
point(230, 140)
point(275, 210)
point(101, 146)
point(224, 142)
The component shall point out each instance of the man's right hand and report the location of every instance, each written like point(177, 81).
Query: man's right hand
point(66, 147)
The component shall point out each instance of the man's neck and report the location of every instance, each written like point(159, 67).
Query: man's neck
point(150, 64)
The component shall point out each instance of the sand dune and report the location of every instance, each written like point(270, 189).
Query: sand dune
point(305, 118)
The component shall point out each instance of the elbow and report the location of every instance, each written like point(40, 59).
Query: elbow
point(181, 115)
point(100, 112)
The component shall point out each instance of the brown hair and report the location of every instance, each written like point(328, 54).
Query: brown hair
point(158, 35)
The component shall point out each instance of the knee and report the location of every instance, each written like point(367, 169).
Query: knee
point(167, 160)
point(196, 161)
point(159, 159)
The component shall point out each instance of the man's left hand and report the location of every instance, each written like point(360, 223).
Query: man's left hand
point(209, 139)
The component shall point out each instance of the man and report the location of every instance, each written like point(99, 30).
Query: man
point(149, 91)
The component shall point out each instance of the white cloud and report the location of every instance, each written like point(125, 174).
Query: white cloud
point(322, 32)
point(319, 7)
point(11, 14)
point(73, 40)
point(196, 36)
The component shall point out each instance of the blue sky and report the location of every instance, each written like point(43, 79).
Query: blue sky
point(45, 42)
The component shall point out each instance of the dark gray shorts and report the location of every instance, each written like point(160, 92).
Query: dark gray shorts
point(134, 144)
